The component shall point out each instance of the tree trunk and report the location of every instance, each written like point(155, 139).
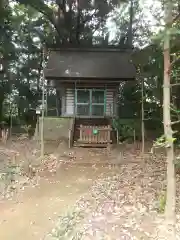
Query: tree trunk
point(78, 23)
point(70, 24)
point(1, 106)
point(171, 181)
point(130, 30)
point(39, 72)
point(142, 117)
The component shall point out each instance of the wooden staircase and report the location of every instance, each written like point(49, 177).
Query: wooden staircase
point(105, 133)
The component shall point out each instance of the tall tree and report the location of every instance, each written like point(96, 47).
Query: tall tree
point(171, 180)
point(73, 20)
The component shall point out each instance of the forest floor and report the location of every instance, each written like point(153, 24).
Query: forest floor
point(81, 193)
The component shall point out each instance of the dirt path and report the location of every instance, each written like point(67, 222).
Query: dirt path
point(38, 208)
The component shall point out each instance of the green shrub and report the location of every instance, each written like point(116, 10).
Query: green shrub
point(126, 128)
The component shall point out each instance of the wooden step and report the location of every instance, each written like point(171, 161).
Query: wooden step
point(95, 145)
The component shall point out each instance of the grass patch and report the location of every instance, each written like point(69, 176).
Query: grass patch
point(162, 203)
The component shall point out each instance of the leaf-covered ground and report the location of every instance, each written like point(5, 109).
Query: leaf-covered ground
point(17, 158)
point(125, 202)
point(126, 205)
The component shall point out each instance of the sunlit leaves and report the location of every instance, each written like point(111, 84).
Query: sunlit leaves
point(162, 141)
point(100, 8)
point(170, 32)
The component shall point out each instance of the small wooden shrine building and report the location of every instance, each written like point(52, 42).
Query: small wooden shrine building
point(89, 80)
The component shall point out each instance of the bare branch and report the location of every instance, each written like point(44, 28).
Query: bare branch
point(175, 122)
point(174, 84)
point(44, 9)
point(172, 123)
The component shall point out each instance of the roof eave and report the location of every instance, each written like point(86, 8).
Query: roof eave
point(82, 79)
point(90, 49)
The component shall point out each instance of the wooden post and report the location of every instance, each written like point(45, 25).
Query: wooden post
point(117, 136)
point(42, 117)
point(134, 134)
point(80, 131)
point(109, 133)
point(142, 116)
point(108, 140)
point(46, 102)
point(69, 138)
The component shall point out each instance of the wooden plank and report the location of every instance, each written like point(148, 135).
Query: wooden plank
point(69, 101)
point(87, 141)
point(109, 102)
point(97, 128)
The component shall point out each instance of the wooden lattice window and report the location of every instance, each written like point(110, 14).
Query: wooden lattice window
point(90, 102)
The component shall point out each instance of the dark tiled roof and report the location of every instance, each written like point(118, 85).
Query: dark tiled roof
point(90, 63)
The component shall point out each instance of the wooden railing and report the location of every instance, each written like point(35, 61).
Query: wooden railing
point(71, 132)
point(95, 134)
